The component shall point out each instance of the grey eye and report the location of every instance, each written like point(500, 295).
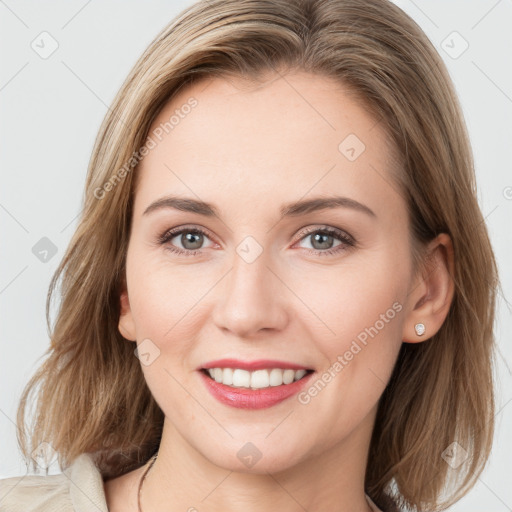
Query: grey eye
point(190, 240)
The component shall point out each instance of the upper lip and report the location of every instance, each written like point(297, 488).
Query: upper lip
point(259, 364)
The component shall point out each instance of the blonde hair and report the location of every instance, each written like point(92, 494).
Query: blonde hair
point(93, 397)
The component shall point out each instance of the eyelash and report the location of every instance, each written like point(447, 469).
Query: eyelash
point(349, 242)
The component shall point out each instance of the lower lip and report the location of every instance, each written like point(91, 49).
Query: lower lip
point(245, 398)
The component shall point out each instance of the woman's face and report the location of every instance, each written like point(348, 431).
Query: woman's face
point(253, 275)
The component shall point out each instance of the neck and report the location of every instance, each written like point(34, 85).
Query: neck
point(181, 478)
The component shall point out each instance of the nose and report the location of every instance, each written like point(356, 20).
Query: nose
point(252, 298)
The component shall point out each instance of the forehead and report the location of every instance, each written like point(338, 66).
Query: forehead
point(221, 139)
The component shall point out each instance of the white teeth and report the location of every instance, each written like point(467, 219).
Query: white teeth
point(288, 376)
point(260, 379)
point(227, 376)
point(241, 378)
point(299, 374)
point(257, 379)
point(276, 377)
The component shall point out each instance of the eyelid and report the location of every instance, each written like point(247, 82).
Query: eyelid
point(331, 230)
point(172, 232)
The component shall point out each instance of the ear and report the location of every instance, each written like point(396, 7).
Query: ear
point(432, 291)
point(126, 324)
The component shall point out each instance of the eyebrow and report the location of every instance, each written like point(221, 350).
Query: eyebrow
point(294, 209)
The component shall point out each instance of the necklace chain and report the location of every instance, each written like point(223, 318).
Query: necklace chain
point(143, 477)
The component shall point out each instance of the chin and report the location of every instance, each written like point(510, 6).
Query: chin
point(254, 458)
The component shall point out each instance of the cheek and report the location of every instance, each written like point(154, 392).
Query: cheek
point(355, 296)
point(166, 322)
point(361, 309)
point(358, 358)
point(168, 306)
point(160, 295)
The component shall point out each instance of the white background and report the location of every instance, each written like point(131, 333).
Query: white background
point(51, 110)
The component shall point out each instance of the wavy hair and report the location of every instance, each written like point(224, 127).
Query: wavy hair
point(91, 395)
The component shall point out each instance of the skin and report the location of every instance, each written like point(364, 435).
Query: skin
point(249, 150)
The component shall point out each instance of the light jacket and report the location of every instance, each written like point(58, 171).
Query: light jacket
point(79, 488)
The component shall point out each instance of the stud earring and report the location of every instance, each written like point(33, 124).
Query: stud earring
point(420, 329)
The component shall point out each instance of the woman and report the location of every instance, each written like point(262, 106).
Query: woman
point(281, 219)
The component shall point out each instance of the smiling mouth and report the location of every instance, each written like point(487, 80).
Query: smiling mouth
point(257, 379)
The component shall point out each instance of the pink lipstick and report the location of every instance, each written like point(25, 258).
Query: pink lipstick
point(248, 398)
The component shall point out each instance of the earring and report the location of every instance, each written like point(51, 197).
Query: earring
point(420, 329)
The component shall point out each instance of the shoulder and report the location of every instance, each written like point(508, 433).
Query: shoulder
point(77, 489)
point(35, 493)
